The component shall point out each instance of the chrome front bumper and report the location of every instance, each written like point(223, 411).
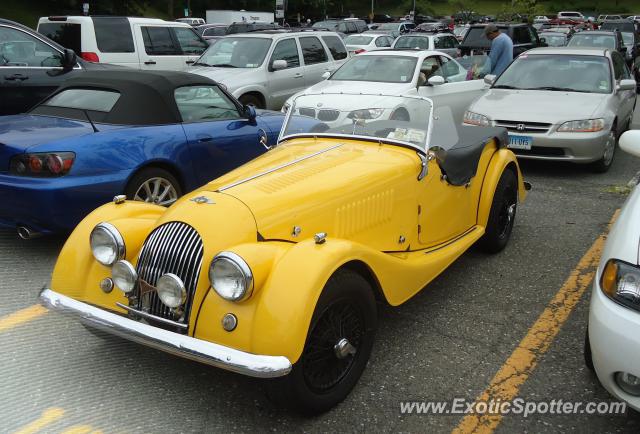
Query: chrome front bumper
point(188, 347)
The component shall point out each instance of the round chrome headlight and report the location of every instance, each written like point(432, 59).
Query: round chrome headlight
point(124, 276)
point(107, 244)
point(231, 277)
point(171, 290)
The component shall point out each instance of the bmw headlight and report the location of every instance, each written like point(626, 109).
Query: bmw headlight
point(621, 282)
point(171, 290)
point(107, 244)
point(371, 113)
point(583, 126)
point(124, 276)
point(231, 277)
point(471, 118)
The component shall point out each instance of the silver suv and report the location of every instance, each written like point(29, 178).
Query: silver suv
point(266, 68)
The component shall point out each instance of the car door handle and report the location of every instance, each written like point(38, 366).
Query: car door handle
point(297, 76)
point(13, 77)
point(205, 139)
point(189, 62)
point(150, 62)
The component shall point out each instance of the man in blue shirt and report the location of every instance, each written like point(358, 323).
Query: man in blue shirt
point(501, 53)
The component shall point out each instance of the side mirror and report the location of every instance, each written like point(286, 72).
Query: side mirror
point(436, 80)
point(250, 112)
point(626, 85)
point(326, 75)
point(277, 65)
point(489, 79)
point(69, 59)
point(630, 142)
point(623, 49)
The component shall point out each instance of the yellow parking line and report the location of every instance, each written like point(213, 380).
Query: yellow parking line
point(48, 416)
point(506, 384)
point(24, 315)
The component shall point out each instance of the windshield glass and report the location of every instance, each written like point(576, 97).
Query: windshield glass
point(388, 26)
point(386, 69)
point(233, 52)
point(325, 24)
point(627, 37)
point(557, 72)
point(358, 40)
point(554, 40)
point(397, 119)
point(592, 40)
point(417, 42)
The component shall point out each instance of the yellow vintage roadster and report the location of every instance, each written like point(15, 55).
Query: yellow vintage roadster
point(275, 269)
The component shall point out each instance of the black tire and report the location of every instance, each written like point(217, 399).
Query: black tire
point(400, 115)
point(502, 214)
point(146, 175)
point(604, 163)
point(588, 359)
point(321, 378)
point(249, 99)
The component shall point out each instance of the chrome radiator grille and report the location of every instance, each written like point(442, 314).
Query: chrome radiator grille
point(176, 248)
point(524, 127)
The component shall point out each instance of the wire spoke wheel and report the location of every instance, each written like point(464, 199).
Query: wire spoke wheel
point(507, 212)
point(332, 346)
point(157, 190)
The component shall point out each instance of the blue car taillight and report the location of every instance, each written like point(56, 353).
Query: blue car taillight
point(43, 164)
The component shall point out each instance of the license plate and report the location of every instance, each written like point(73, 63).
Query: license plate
point(520, 142)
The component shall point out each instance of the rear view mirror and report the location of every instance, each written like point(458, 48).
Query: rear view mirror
point(250, 112)
point(279, 64)
point(489, 79)
point(436, 80)
point(69, 59)
point(630, 142)
point(326, 75)
point(626, 85)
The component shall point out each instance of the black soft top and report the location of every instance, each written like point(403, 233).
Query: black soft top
point(146, 97)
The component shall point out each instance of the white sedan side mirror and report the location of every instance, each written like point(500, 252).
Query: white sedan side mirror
point(630, 142)
point(326, 75)
point(626, 85)
point(436, 80)
point(489, 79)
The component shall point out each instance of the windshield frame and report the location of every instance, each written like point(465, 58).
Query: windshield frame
point(226, 38)
point(379, 140)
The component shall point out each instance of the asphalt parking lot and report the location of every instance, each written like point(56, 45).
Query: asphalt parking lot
point(448, 342)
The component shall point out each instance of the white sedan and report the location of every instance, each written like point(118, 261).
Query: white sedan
point(363, 42)
point(612, 344)
point(430, 74)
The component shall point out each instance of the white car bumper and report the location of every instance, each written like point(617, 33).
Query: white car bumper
point(614, 334)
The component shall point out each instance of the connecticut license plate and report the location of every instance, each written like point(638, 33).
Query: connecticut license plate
point(520, 142)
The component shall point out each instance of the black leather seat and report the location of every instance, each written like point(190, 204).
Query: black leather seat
point(459, 163)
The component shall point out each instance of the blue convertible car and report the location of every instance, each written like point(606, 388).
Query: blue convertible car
point(149, 135)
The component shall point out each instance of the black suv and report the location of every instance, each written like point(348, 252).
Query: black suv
point(524, 37)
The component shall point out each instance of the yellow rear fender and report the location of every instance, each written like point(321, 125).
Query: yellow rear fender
point(503, 159)
point(77, 274)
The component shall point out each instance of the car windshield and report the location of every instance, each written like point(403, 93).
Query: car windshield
point(626, 26)
point(325, 24)
point(592, 40)
point(475, 37)
point(386, 69)
point(358, 40)
point(236, 52)
point(413, 42)
point(404, 120)
point(627, 37)
point(554, 40)
point(557, 72)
